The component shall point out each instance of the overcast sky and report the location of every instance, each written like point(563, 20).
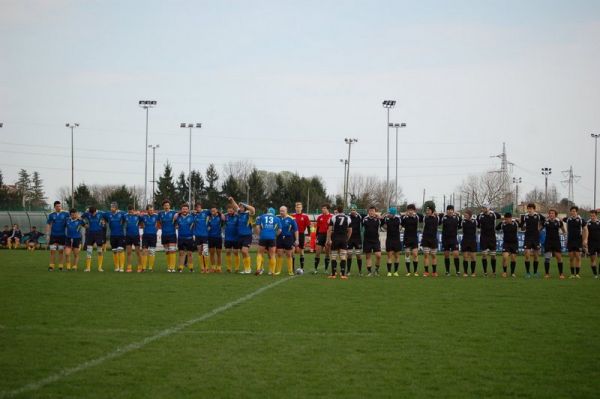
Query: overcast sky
point(282, 83)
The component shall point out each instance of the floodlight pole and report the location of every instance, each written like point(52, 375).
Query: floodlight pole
point(347, 180)
point(154, 147)
point(72, 126)
point(190, 126)
point(387, 104)
point(397, 126)
point(546, 172)
point(516, 181)
point(595, 137)
point(146, 104)
point(345, 162)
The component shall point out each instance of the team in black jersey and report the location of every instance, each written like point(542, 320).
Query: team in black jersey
point(576, 228)
point(591, 241)
point(451, 223)
point(510, 243)
point(531, 224)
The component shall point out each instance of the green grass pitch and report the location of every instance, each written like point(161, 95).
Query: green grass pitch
point(118, 335)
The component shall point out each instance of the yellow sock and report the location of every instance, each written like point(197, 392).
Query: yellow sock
point(279, 265)
point(191, 262)
point(100, 261)
point(68, 265)
point(247, 264)
point(259, 262)
point(116, 260)
point(122, 259)
point(236, 262)
point(228, 262)
point(151, 260)
point(60, 266)
point(206, 261)
point(51, 266)
point(290, 266)
point(172, 260)
point(272, 264)
point(129, 267)
point(88, 263)
point(144, 262)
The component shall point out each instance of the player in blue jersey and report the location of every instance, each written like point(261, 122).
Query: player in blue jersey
point(55, 230)
point(95, 235)
point(201, 236)
point(185, 237)
point(149, 223)
point(232, 248)
point(245, 214)
point(215, 238)
point(132, 238)
point(267, 228)
point(73, 242)
point(166, 219)
point(116, 222)
point(287, 240)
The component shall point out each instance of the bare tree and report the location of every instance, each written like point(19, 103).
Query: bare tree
point(485, 188)
point(366, 191)
point(537, 195)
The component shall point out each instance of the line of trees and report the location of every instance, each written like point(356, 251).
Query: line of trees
point(26, 193)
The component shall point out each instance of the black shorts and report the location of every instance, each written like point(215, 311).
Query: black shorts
point(468, 246)
point(14, 239)
point(450, 245)
point(266, 243)
point(510, 247)
point(95, 237)
point(215, 242)
point(200, 240)
point(487, 243)
point(301, 240)
point(411, 242)
point(232, 244)
point(552, 246)
point(186, 244)
point(57, 240)
point(245, 241)
point(339, 244)
point(132, 240)
point(168, 239)
point(593, 249)
point(285, 242)
point(429, 242)
point(73, 242)
point(149, 241)
point(116, 242)
point(321, 239)
point(532, 243)
point(574, 245)
point(355, 243)
point(371, 246)
point(393, 245)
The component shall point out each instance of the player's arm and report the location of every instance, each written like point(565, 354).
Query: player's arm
point(296, 232)
point(499, 226)
point(329, 231)
point(563, 227)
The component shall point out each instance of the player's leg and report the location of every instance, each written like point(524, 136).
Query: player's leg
point(219, 255)
point(67, 252)
point(333, 253)
point(61, 253)
point(228, 256)
point(527, 260)
point(407, 260)
point(368, 261)
point(289, 258)
point(272, 257)
point(577, 263)
point(129, 252)
point(75, 258)
point(358, 256)
point(343, 254)
point(318, 251)
point(181, 251)
point(594, 264)
point(390, 258)
point(433, 255)
point(456, 260)
point(505, 259)
point(259, 259)
point(559, 263)
point(245, 249)
point(572, 263)
point(535, 252)
point(426, 251)
point(447, 260)
point(327, 255)
point(377, 260)
point(513, 264)
point(415, 260)
point(279, 265)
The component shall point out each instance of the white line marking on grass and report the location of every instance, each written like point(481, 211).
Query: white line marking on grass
point(33, 386)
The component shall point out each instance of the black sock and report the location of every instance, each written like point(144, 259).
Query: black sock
point(513, 265)
point(473, 263)
point(317, 260)
point(547, 266)
point(572, 270)
point(434, 268)
point(494, 264)
point(389, 267)
point(348, 264)
point(536, 264)
point(369, 269)
point(577, 270)
point(484, 264)
point(457, 265)
point(415, 265)
point(560, 268)
point(447, 264)
point(359, 263)
point(528, 266)
point(595, 270)
point(407, 266)
point(503, 268)
point(333, 266)
point(302, 261)
point(426, 269)
point(396, 266)
point(343, 267)
point(377, 268)
point(326, 263)
point(465, 266)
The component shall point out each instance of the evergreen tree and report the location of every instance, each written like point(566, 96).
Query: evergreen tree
point(181, 189)
point(230, 188)
point(84, 198)
point(23, 185)
point(197, 186)
point(212, 192)
point(122, 196)
point(38, 198)
point(1, 179)
point(165, 186)
point(280, 195)
point(256, 187)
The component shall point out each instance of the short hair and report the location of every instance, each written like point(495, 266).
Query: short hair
point(326, 206)
point(340, 208)
point(431, 208)
point(412, 207)
point(92, 209)
point(508, 215)
point(531, 205)
point(166, 201)
point(198, 204)
point(574, 208)
point(450, 208)
point(73, 210)
point(115, 204)
point(594, 212)
point(185, 205)
point(373, 207)
point(149, 206)
point(56, 203)
point(130, 207)
point(553, 210)
point(469, 212)
point(33, 227)
point(298, 203)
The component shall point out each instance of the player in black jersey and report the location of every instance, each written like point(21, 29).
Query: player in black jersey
point(429, 241)
point(450, 224)
point(371, 244)
point(338, 233)
point(355, 241)
point(393, 245)
point(554, 227)
point(591, 240)
point(575, 231)
point(510, 243)
point(410, 223)
point(531, 223)
point(487, 237)
point(468, 244)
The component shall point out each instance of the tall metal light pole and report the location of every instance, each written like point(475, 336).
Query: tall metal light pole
point(146, 104)
point(388, 104)
point(345, 162)
point(347, 183)
point(396, 126)
point(153, 147)
point(516, 182)
point(595, 137)
point(190, 126)
point(72, 126)
point(1, 124)
point(546, 172)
